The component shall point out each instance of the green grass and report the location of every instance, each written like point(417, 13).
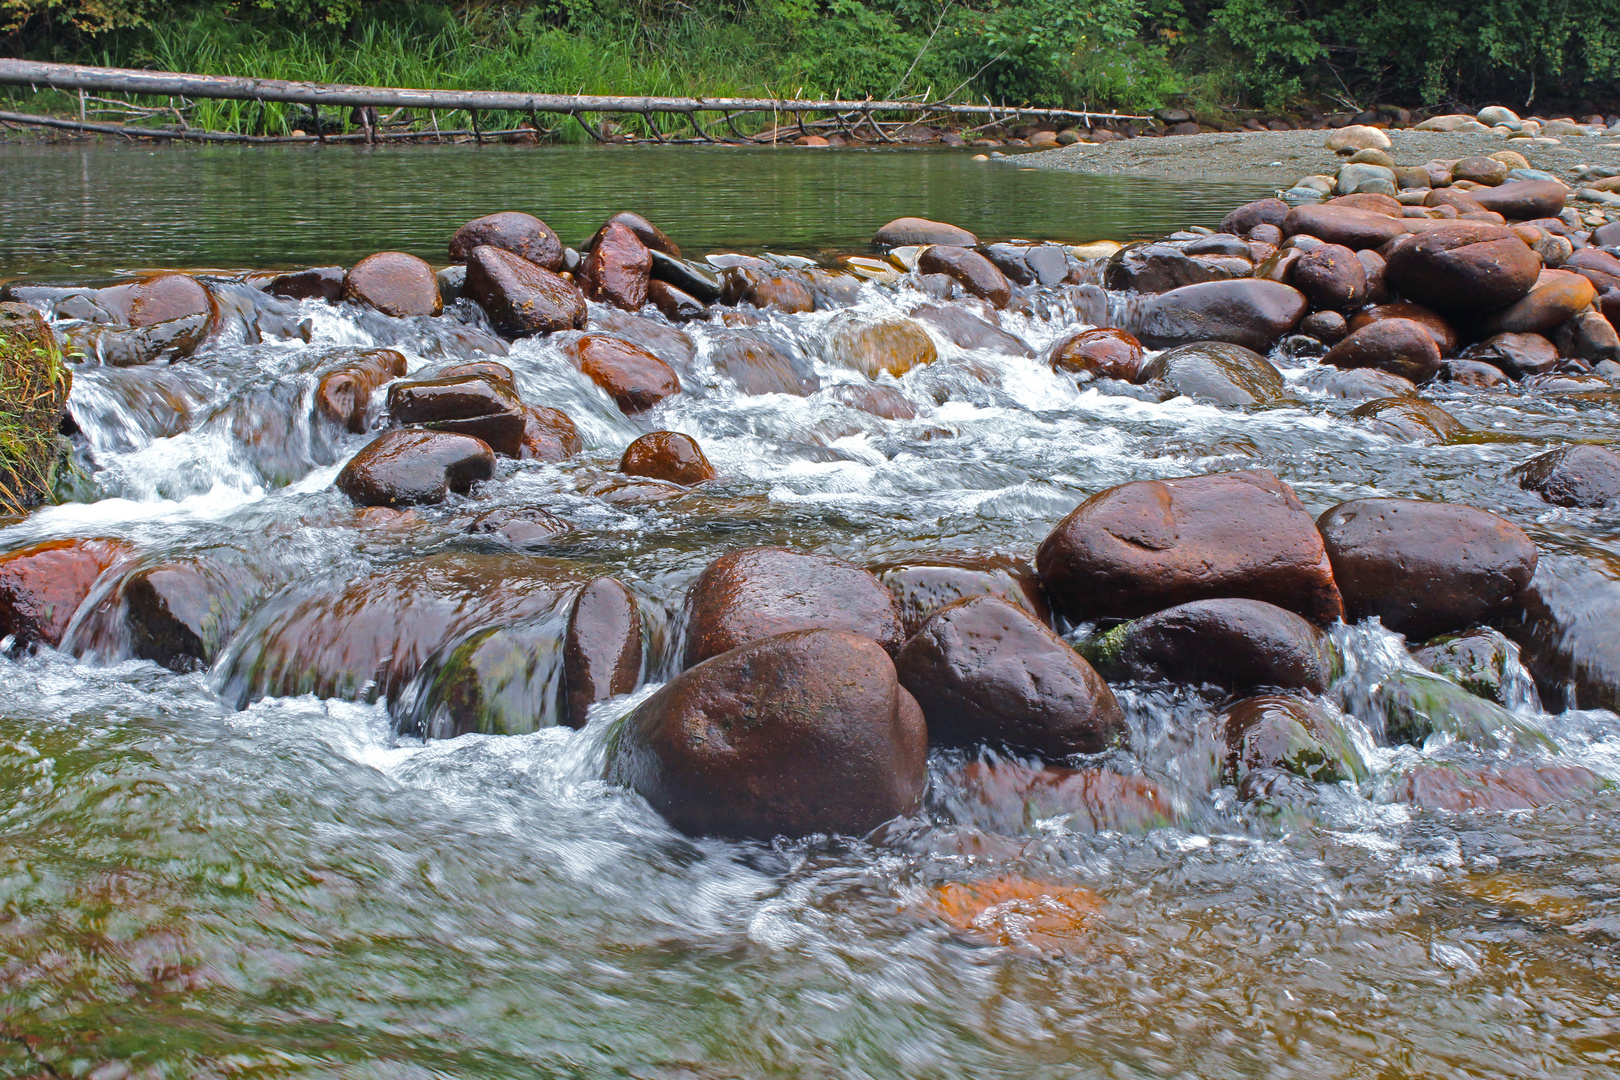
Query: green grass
point(34, 386)
point(696, 56)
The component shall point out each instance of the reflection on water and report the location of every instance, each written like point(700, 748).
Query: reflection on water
point(73, 208)
point(190, 888)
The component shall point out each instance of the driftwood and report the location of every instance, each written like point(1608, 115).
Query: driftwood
point(314, 95)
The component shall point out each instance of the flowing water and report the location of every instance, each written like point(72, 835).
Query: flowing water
point(199, 877)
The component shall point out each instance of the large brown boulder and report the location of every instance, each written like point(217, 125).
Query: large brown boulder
point(1160, 267)
point(522, 298)
point(1141, 547)
point(650, 235)
point(1444, 334)
point(182, 612)
point(617, 269)
point(976, 274)
point(1099, 353)
point(1219, 372)
point(1517, 354)
point(1332, 277)
point(395, 284)
point(1249, 312)
point(1399, 346)
point(633, 377)
point(1425, 568)
point(43, 584)
point(1579, 475)
point(800, 733)
point(407, 467)
point(524, 235)
point(316, 283)
point(476, 405)
point(602, 650)
point(986, 672)
point(910, 231)
point(548, 435)
point(1463, 267)
point(1523, 200)
point(1347, 226)
point(667, 455)
point(1239, 645)
point(1260, 212)
point(758, 592)
point(923, 585)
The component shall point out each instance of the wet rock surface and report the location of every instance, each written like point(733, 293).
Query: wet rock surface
point(799, 733)
point(667, 455)
point(522, 298)
point(1573, 476)
point(1425, 568)
point(1150, 544)
point(407, 468)
point(986, 672)
point(602, 650)
point(1239, 645)
point(394, 283)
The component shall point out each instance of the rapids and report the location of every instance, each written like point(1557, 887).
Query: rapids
point(200, 878)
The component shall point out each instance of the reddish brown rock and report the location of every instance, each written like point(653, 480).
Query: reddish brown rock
point(1219, 372)
point(881, 401)
point(1399, 346)
point(1556, 298)
point(1599, 267)
point(1251, 313)
point(1261, 212)
point(987, 672)
point(1409, 419)
point(1005, 795)
point(634, 378)
point(650, 235)
point(1239, 645)
point(1463, 267)
point(467, 405)
point(911, 231)
point(42, 585)
point(1517, 354)
point(395, 284)
point(524, 235)
point(1288, 734)
point(1425, 568)
point(159, 299)
point(316, 283)
point(602, 652)
point(796, 734)
point(1574, 476)
point(406, 467)
point(758, 592)
point(1474, 373)
point(875, 347)
point(1101, 353)
point(667, 455)
point(1332, 277)
point(343, 393)
point(676, 304)
point(617, 269)
point(1140, 547)
point(1445, 336)
point(924, 585)
point(548, 435)
point(522, 299)
point(1462, 789)
point(492, 370)
point(765, 289)
point(976, 274)
point(1348, 226)
point(1523, 200)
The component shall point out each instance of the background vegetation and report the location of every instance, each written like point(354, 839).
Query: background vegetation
point(1130, 54)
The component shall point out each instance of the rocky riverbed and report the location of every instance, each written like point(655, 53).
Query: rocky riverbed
point(954, 610)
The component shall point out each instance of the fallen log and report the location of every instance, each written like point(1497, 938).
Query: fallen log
point(176, 84)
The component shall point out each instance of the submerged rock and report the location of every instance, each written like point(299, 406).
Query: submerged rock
point(987, 672)
point(1482, 661)
point(1099, 353)
point(1140, 547)
point(1462, 789)
point(43, 584)
point(1219, 372)
point(759, 592)
point(633, 377)
point(877, 347)
point(343, 394)
point(602, 652)
point(792, 735)
point(1275, 731)
point(1009, 797)
point(1574, 476)
point(1416, 705)
point(1410, 419)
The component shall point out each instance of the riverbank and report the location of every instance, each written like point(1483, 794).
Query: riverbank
point(1281, 157)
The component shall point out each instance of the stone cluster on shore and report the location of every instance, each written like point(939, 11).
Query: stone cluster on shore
point(808, 689)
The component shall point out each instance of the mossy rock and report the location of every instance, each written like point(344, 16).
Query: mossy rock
point(1416, 705)
point(34, 386)
point(1477, 660)
point(500, 681)
point(1278, 733)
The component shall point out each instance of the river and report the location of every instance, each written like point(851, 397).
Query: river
point(200, 881)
